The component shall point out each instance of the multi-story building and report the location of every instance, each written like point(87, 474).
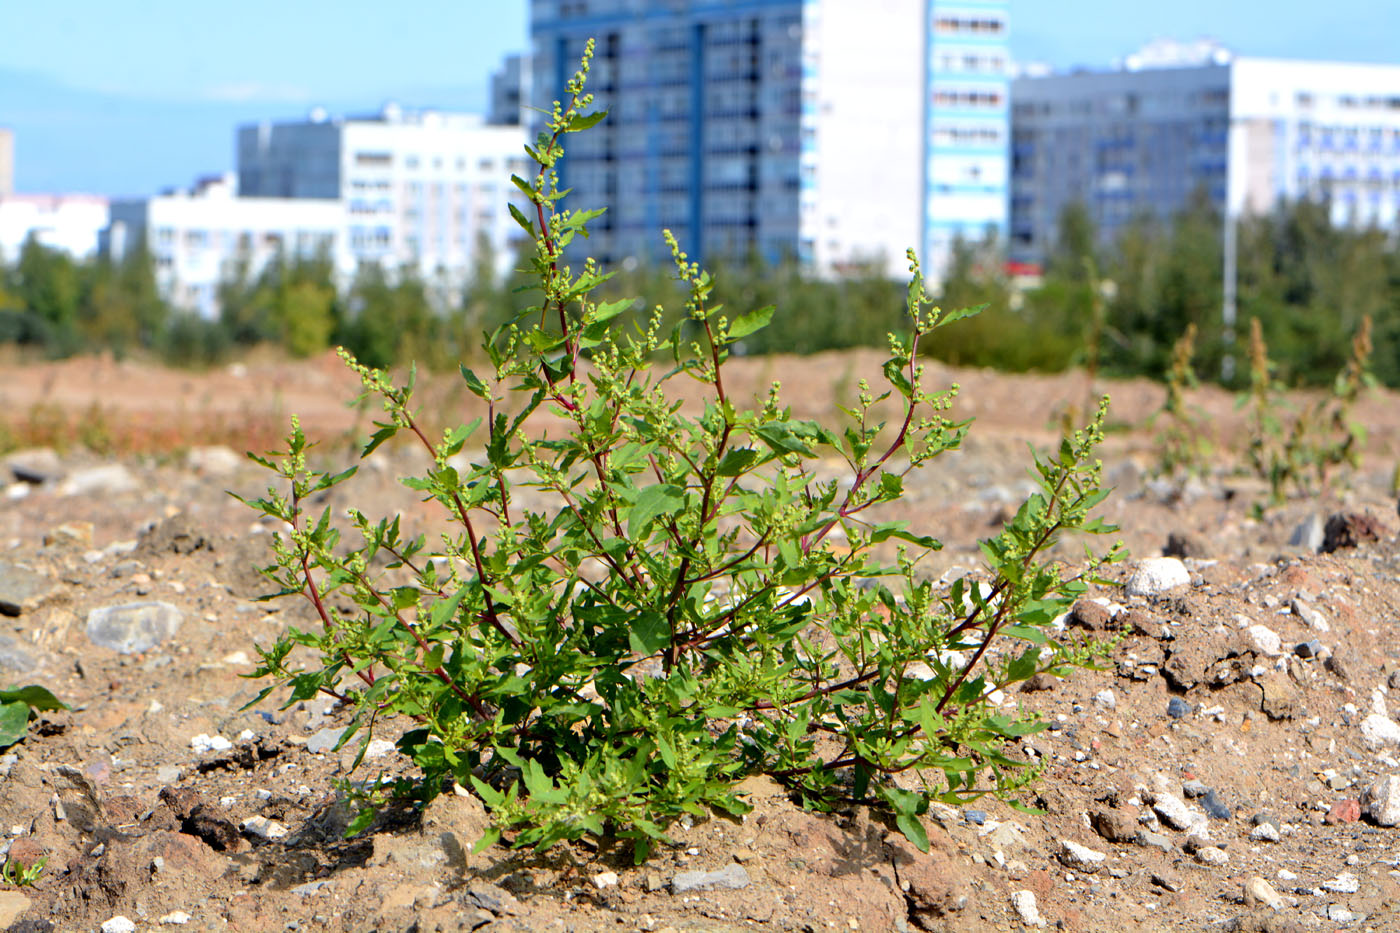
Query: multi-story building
point(510, 92)
point(68, 222)
point(199, 238)
point(1248, 132)
point(421, 189)
point(838, 133)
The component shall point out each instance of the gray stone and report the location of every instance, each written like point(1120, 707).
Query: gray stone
point(1380, 731)
point(1157, 575)
point(1083, 858)
point(1265, 832)
point(1026, 908)
point(1193, 789)
point(1212, 855)
point(728, 878)
point(108, 479)
point(1177, 707)
point(1264, 640)
point(21, 587)
point(311, 887)
point(324, 741)
point(1259, 893)
point(489, 897)
point(1172, 811)
point(1215, 808)
point(1345, 883)
point(133, 627)
point(217, 460)
point(1308, 649)
point(1310, 616)
point(13, 657)
point(36, 466)
point(1381, 801)
point(1151, 840)
point(1309, 534)
point(1339, 914)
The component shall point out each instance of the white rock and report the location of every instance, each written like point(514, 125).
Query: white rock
point(175, 918)
point(263, 828)
point(1264, 640)
point(1210, 855)
point(1081, 857)
point(118, 924)
point(378, 748)
point(606, 879)
point(1309, 615)
point(1345, 883)
point(1156, 575)
point(1259, 891)
point(1264, 832)
point(210, 743)
point(1381, 801)
point(1026, 909)
point(105, 480)
point(1105, 699)
point(1380, 731)
point(1172, 811)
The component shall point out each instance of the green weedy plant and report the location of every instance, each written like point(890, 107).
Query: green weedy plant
point(702, 601)
point(1302, 451)
point(1183, 441)
point(20, 875)
point(18, 705)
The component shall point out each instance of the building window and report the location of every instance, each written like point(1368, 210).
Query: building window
point(374, 159)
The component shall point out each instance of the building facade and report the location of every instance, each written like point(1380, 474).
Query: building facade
point(1249, 133)
point(200, 238)
point(7, 162)
point(799, 129)
point(68, 222)
point(423, 189)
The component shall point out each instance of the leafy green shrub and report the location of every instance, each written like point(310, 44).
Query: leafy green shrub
point(704, 599)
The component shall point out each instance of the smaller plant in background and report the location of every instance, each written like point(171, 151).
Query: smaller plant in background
point(17, 706)
point(1183, 443)
point(21, 875)
point(1302, 449)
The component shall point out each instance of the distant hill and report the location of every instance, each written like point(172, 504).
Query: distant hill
point(72, 139)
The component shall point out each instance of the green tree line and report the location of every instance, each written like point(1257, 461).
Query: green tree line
point(1114, 306)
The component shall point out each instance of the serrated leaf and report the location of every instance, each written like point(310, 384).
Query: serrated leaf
point(957, 314)
point(648, 633)
point(751, 322)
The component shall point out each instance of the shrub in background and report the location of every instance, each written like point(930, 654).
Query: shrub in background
point(704, 599)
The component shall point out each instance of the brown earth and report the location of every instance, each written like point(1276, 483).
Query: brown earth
point(135, 821)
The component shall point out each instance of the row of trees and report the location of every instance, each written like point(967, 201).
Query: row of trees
point(1115, 306)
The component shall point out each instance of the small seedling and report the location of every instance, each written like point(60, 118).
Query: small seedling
point(21, 875)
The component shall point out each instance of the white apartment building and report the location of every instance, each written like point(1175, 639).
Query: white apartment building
point(197, 238)
point(7, 162)
point(419, 188)
point(68, 222)
point(1249, 132)
point(838, 133)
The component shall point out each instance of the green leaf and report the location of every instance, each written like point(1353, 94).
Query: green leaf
point(948, 317)
point(912, 829)
point(781, 436)
point(37, 697)
point(649, 633)
point(653, 502)
point(14, 721)
point(751, 322)
point(736, 461)
point(474, 384)
point(584, 121)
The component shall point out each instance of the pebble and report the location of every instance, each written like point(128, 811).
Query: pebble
point(729, 878)
point(1153, 840)
point(1215, 808)
point(1157, 575)
point(175, 918)
point(310, 888)
point(263, 828)
point(1381, 801)
point(168, 774)
point(1074, 855)
point(1193, 789)
point(975, 816)
point(118, 924)
point(1166, 881)
point(1344, 811)
point(324, 741)
point(1257, 891)
point(14, 657)
point(210, 743)
point(1105, 699)
point(1380, 731)
point(1339, 914)
point(1310, 616)
point(1309, 534)
point(1026, 909)
point(1345, 883)
point(1264, 641)
point(19, 586)
point(1308, 649)
point(1212, 855)
point(1172, 811)
point(133, 628)
point(98, 481)
point(604, 879)
point(1264, 833)
point(1177, 707)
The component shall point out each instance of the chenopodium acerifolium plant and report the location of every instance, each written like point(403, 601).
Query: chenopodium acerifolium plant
point(701, 602)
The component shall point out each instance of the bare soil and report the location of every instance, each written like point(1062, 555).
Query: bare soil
point(136, 817)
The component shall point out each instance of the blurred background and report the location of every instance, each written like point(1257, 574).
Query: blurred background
point(185, 184)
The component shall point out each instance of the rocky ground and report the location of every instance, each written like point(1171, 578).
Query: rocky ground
point(1236, 765)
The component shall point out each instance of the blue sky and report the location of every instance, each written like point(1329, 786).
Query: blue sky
point(126, 98)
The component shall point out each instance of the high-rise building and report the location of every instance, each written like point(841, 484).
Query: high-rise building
point(835, 132)
point(420, 189)
point(7, 162)
point(510, 92)
point(1247, 132)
